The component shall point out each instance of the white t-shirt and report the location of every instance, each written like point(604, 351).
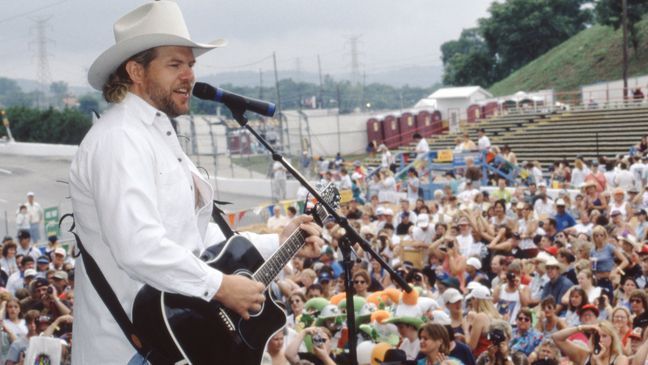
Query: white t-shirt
point(484, 143)
point(424, 236)
point(422, 149)
point(411, 348)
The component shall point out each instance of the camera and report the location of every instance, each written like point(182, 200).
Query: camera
point(450, 244)
point(496, 336)
point(510, 277)
point(545, 361)
point(50, 290)
point(318, 340)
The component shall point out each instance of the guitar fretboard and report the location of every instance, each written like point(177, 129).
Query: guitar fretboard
point(273, 266)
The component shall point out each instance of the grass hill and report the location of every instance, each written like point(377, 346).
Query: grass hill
point(593, 55)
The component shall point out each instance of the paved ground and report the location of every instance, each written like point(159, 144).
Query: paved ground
point(47, 178)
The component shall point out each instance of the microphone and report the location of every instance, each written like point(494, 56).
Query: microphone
point(237, 103)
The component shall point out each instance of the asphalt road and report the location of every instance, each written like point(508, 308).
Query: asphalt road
point(47, 178)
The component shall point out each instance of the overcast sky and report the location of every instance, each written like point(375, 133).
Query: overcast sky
point(392, 33)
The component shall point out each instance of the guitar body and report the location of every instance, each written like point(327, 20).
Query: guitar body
point(200, 332)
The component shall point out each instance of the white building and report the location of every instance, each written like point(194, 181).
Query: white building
point(452, 102)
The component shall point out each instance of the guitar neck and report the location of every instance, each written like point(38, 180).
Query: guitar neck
point(273, 266)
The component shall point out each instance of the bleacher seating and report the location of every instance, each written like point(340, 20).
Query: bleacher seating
point(552, 136)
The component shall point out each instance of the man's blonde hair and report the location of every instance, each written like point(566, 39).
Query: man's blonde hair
point(116, 88)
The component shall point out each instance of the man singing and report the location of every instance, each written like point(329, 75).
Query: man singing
point(141, 207)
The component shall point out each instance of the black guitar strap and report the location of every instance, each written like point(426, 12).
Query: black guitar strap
point(109, 298)
point(217, 215)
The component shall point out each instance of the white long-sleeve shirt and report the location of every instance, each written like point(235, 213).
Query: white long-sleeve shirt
point(139, 215)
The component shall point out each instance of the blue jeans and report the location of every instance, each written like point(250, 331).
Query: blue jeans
point(34, 232)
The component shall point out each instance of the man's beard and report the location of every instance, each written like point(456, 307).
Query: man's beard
point(162, 99)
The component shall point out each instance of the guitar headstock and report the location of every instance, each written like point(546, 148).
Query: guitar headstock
point(330, 195)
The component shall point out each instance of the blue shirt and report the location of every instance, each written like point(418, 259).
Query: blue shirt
point(564, 221)
point(557, 289)
point(527, 342)
point(604, 258)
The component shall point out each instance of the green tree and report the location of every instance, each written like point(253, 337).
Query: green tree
point(610, 13)
point(518, 31)
point(48, 126)
point(88, 104)
point(59, 90)
point(467, 61)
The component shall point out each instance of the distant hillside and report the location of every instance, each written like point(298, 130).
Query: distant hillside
point(415, 76)
point(590, 56)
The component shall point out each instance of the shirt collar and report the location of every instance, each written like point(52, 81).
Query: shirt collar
point(141, 108)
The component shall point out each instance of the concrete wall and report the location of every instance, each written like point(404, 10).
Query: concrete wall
point(253, 187)
point(612, 91)
point(323, 125)
point(37, 149)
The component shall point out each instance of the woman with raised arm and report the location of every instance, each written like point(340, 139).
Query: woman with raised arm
point(604, 345)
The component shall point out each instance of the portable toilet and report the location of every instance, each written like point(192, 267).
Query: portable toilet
point(437, 124)
point(375, 130)
point(424, 123)
point(490, 109)
point(474, 113)
point(391, 131)
point(407, 126)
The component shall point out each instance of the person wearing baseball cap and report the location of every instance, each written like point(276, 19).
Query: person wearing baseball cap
point(563, 219)
point(142, 207)
point(473, 270)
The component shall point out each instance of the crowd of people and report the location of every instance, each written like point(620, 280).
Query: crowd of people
point(549, 269)
point(36, 291)
point(523, 274)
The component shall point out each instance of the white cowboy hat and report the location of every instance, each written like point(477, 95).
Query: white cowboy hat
point(159, 23)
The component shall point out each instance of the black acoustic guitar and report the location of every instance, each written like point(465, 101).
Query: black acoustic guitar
point(189, 330)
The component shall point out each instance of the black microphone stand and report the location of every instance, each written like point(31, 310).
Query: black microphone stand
point(350, 237)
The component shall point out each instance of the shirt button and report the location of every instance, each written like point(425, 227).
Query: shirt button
point(179, 159)
point(158, 114)
point(168, 133)
point(206, 294)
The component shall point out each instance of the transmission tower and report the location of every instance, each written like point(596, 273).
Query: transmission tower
point(355, 62)
point(43, 73)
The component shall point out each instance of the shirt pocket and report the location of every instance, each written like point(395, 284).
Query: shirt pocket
point(175, 196)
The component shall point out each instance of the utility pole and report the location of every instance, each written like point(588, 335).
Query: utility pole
point(337, 117)
point(362, 91)
point(281, 131)
point(260, 84)
point(624, 4)
point(355, 63)
point(321, 84)
point(43, 73)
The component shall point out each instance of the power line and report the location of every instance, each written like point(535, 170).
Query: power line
point(31, 11)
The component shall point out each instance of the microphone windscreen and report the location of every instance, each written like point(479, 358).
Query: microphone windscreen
point(204, 91)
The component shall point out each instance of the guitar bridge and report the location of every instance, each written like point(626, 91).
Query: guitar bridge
point(226, 320)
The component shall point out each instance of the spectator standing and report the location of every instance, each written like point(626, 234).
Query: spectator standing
point(422, 147)
point(483, 141)
point(278, 181)
point(578, 174)
point(22, 219)
point(36, 216)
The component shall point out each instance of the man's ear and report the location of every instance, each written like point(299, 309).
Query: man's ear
point(136, 72)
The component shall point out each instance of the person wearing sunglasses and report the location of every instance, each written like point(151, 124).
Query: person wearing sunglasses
point(361, 281)
point(525, 337)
